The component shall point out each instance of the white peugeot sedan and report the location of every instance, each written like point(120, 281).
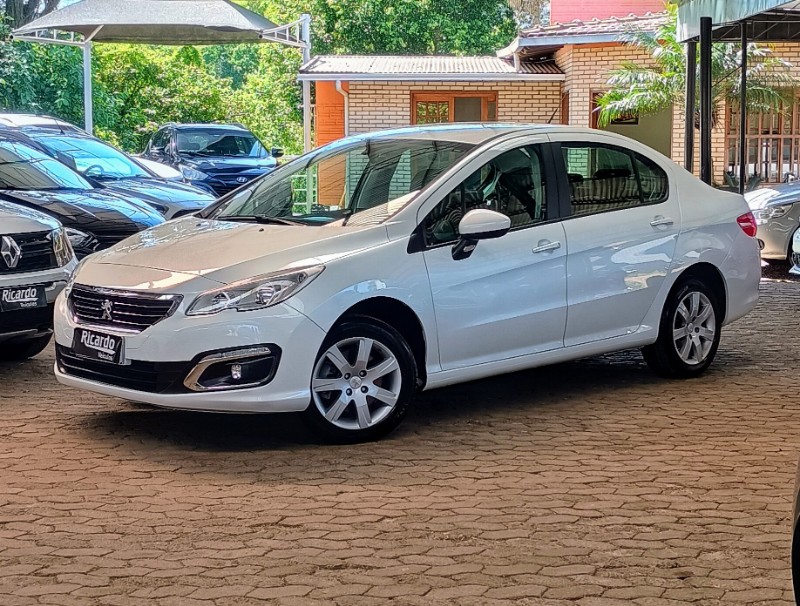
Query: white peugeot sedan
point(383, 264)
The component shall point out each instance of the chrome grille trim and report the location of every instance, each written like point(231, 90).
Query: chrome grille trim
point(131, 311)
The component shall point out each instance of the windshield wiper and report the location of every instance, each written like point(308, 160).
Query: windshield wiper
point(260, 219)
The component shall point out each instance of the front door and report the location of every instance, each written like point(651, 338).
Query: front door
point(509, 297)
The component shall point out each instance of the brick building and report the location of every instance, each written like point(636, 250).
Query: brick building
point(547, 74)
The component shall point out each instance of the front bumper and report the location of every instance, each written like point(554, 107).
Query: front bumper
point(26, 324)
point(776, 234)
point(179, 343)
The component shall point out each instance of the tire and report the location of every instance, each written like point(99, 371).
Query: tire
point(372, 375)
point(22, 350)
point(681, 356)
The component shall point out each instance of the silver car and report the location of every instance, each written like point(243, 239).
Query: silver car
point(777, 212)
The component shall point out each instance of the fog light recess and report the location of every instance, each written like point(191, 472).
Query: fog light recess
point(237, 369)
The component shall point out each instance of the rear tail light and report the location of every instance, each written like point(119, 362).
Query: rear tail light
point(748, 224)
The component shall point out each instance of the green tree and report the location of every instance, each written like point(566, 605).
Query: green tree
point(20, 12)
point(650, 89)
point(460, 27)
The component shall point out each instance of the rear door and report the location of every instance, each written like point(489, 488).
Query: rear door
point(622, 230)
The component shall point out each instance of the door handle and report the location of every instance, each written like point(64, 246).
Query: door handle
point(660, 221)
point(546, 246)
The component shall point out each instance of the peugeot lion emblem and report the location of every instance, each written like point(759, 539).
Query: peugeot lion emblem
point(107, 307)
point(10, 251)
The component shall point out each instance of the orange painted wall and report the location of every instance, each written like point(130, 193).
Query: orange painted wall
point(330, 112)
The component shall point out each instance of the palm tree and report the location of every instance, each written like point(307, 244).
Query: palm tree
point(645, 90)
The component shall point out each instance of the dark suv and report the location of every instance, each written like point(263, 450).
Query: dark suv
point(216, 157)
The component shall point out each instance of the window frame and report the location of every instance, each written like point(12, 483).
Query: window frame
point(565, 201)
point(418, 241)
point(449, 97)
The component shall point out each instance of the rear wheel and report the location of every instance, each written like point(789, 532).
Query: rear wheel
point(22, 350)
point(689, 332)
point(362, 383)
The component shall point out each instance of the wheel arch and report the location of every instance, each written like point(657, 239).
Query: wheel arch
point(709, 275)
point(399, 316)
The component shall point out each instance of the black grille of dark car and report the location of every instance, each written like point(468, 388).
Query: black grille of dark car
point(40, 318)
point(150, 377)
point(107, 239)
point(122, 310)
point(37, 253)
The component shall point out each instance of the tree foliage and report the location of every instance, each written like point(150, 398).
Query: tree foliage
point(650, 89)
point(137, 88)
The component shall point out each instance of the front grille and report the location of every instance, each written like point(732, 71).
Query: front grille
point(39, 318)
point(107, 239)
point(123, 310)
point(150, 377)
point(37, 253)
point(796, 259)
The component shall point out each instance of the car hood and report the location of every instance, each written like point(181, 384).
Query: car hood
point(222, 164)
point(16, 219)
point(83, 208)
point(226, 251)
point(153, 190)
point(771, 196)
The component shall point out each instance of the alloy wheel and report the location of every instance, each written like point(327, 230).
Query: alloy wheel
point(356, 383)
point(694, 328)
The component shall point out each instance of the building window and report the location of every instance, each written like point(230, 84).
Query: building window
point(632, 119)
point(437, 108)
point(773, 145)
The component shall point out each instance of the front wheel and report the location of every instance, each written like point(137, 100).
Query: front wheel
point(362, 383)
point(689, 333)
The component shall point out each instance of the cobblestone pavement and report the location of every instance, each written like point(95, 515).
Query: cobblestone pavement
point(589, 483)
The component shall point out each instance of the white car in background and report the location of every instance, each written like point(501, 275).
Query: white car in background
point(419, 258)
point(36, 260)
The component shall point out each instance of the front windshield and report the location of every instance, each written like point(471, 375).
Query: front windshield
point(24, 168)
point(362, 182)
point(219, 142)
point(93, 158)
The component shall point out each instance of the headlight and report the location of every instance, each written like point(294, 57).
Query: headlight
point(71, 281)
point(62, 247)
point(254, 293)
point(78, 238)
point(771, 212)
point(192, 174)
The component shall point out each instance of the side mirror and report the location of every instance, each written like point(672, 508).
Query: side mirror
point(483, 224)
point(276, 152)
point(479, 224)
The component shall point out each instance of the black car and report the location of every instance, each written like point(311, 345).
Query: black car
point(94, 218)
point(107, 167)
point(216, 157)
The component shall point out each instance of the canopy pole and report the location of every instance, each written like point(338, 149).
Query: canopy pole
point(88, 93)
point(743, 114)
point(706, 33)
point(305, 36)
point(691, 104)
point(88, 105)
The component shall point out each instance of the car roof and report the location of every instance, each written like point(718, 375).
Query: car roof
point(20, 120)
point(475, 133)
point(209, 126)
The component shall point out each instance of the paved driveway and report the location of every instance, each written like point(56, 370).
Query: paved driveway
point(592, 483)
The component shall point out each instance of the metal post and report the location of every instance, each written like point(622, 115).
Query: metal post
point(743, 114)
point(305, 35)
point(706, 33)
point(88, 106)
point(691, 104)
